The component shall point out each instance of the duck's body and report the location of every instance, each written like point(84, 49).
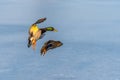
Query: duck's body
point(33, 29)
point(51, 44)
point(36, 33)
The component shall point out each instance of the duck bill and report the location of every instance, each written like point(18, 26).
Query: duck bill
point(55, 30)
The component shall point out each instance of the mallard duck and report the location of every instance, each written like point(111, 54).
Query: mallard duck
point(33, 31)
point(51, 44)
point(36, 33)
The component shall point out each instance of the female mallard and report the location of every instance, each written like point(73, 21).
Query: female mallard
point(35, 33)
point(51, 44)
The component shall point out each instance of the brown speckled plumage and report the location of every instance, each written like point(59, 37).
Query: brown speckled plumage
point(51, 44)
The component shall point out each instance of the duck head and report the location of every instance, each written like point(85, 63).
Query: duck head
point(58, 43)
point(51, 29)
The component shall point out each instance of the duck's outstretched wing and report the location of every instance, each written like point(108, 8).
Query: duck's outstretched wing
point(40, 20)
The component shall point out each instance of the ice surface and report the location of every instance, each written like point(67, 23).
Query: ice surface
point(80, 58)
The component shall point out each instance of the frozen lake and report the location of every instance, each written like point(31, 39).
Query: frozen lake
point(90, 54)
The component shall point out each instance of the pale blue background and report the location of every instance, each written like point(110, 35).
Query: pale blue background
point(89, 30)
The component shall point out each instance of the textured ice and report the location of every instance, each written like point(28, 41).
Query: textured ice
point(77, 59)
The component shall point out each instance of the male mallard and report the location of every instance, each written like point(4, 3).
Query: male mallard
point(51, 44)
point(35, 33)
